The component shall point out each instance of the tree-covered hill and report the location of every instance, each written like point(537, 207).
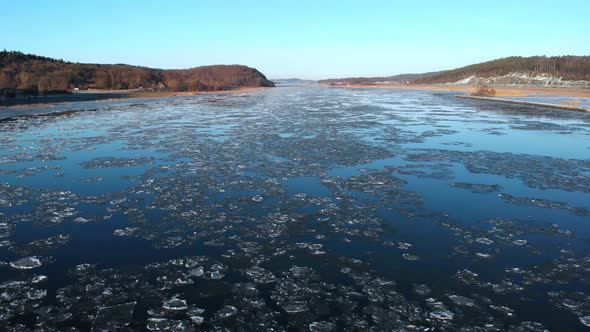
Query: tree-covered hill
point(571, 68)
point(568, 68)
point(32, 72)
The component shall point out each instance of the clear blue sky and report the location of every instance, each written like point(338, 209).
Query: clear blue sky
point(299, 38)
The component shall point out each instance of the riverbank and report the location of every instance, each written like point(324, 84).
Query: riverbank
point(501, 91)
point(528, 103)
point(106, 95)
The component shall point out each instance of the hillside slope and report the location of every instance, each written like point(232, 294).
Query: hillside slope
point(32, 72)
point(402, 78)
point(569, 68)
point(538, 70)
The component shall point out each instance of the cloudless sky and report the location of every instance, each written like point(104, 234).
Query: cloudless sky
point(299, 38)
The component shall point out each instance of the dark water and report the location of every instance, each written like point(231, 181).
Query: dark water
point(296, 208)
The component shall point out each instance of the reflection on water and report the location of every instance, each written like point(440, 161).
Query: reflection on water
point(296, 208)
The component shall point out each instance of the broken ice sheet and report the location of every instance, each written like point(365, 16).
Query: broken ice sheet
point(462, 300)
point(127, 231)
point(411, 257)
point(42, 246)
point(484, 240)
point(301, 231)
point(113, 317)
point(227, 312)
point(175, 304)
point(107, 162)
point(322, 326)
point(166, 324)
point(440, 312)
point(294, 307)
point(26, 263)
point(477, 187)
point(422, 290)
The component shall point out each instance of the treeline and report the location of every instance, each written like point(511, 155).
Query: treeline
point(214, 78)
point(32, 73)
point(571, 68)
point(403, 78)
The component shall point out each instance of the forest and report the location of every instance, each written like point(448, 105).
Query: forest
point(33, 74)
point(570, 68)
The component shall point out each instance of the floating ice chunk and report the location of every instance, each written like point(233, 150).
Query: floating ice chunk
point(196, 311)
point(260, 275)
point(36, 294)
point(404, 245)
point(26, 263)
point(315, 246)
point(197, 320)
point(227, 311)
point(257, 199)
point(183, 326)
point(380, 315)
point(113, 318)
point(477, 187)
point(410, 257)
point(197, 272)
point(519, 242)
point(300, 271)
point(585, 320)
point(163, 324)
point(216, 275)
point(127, 231)
point(422, 290)
point(484, 240)
point(569, 303)
point(81, 220)
point(507, 311)
point(157, 312)
point(322, 326)
point(194, 261)
point(441, 313)
point(218, 267)
point(175, 304)
point(183, 281)
point(90, 180)
point(294, 307)
point(39, 278)
point(462, 300)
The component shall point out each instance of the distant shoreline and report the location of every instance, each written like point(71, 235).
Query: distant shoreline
point(501, 91)
point(106, 95)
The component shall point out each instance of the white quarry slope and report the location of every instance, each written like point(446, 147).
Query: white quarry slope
point(521, 78)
